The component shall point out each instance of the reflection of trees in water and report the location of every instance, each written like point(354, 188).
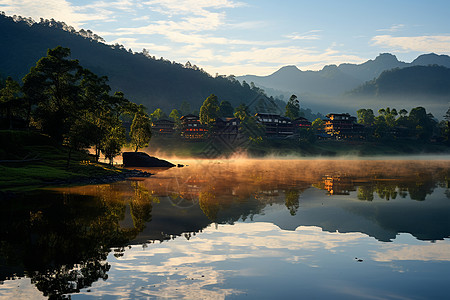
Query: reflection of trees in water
point(292, 200)
point(365, 192)
point(61, 241)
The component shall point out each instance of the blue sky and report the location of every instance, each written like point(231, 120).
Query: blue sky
point(257, 37)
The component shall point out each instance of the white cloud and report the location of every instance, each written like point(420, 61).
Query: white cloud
point(393, 28)
point(60, 10)
point(310, 35)
point(439, 251)
point(437, 43)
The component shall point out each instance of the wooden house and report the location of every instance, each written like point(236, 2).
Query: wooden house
point(342, 126)
point(163, 127)
point(275, 125)
point(191, 128)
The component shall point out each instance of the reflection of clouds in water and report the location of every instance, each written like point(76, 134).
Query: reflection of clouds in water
point(438, 251)
point(20, 288)
point(200, 268)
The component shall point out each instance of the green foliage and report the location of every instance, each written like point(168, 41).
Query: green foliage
point(141, 130)
point(174, 115)
point(366, 116)
point(293, 108)
point(249, 126)
point(158, 114)
point(10, 103)
point(114, 140)
point(318, 125)
point(53, 84)
point(225, 109)
point(209, 111)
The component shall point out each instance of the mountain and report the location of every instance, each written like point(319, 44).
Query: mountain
point(372, 68)
point(417, 81)
point(328, 89)
point(330, 80)
point(143, 79)
point(334, 80)
point(432, 59)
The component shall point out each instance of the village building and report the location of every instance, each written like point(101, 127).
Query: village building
point(163, 127)
point(227, 128)
point(343, 126)
point(191, 128)
point(275, 125)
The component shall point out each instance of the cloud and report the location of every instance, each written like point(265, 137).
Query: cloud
point(439, 251)
point(60, 10)
point(310, 35)
point(393, 28)
point(437, 43)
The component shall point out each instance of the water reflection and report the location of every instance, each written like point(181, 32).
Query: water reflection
point(62, 239)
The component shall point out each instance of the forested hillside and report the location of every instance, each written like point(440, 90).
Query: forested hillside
point(418, 81)
point(143, 78)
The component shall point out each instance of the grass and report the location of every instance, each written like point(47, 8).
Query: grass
point(49, 165)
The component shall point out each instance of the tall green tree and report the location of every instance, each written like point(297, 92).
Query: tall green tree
point(446, 130)
point(293, 108)
point(53, 84)
point(226, 110)
point(174, 115)
point(113, 140)
point(365, 116)
point(209, 111)
point(9, 99)
point(185, 108)
point(141, 130)
point(249, 126)
point(158, 114)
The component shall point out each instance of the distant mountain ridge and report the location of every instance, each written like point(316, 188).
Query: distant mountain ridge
point(334, 80)
point(144, 79)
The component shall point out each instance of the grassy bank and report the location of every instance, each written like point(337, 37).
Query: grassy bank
point(29, 160)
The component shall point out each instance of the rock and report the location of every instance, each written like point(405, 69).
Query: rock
point(141, 159)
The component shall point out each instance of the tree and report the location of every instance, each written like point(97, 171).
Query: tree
point(53, 84)
point(141, 129)
point(293, 108)
point(318, 125)
point(225, 109)
point(249, 126)
point(158, 114)
point(175, 116)
point(242, 112)
point(421, 123)
point(365, 117)
point(9, 99)
point(209, 111)
point(446, 130)
point(114, 139)
point(185, 108)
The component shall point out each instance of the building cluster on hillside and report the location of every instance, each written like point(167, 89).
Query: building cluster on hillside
point(337, 126)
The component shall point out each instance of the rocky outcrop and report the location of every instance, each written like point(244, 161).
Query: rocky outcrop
point(141, 159)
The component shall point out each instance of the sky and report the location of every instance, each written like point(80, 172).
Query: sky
point(257, 37)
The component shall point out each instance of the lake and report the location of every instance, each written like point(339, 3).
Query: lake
point(237, 228)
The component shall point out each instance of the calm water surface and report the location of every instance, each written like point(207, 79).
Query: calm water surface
point(226, 229)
